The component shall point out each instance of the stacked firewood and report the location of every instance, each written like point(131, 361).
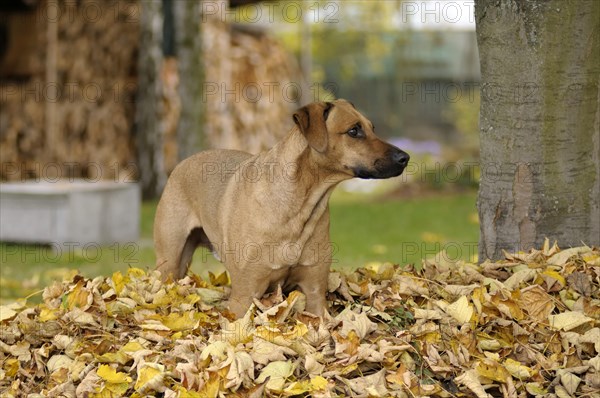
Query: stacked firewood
point(90, 94)
point(251, 87)
point(251, 93)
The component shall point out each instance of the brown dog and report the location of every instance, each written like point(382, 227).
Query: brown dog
point(266, 216)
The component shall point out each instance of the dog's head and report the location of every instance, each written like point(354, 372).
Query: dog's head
point(344, 141)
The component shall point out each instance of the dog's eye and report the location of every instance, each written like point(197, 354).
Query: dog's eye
point(355, 132)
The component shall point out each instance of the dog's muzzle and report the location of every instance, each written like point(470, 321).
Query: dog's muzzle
point(392, 165)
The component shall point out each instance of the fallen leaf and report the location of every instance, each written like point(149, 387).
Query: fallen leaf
point(277, 372)
point(568, 320)
point(8, 312)
point(536, 302)
point(470, 379)
point(149, 377)
point(561, 257)
point(460, 310)
point(492, 370)
point(570, 382)
point(518, 370)
point(523, 326)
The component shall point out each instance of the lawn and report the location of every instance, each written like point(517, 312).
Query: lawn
point(363, 230)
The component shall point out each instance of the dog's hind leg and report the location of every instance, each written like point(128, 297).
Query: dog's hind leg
point(172, 231)
point(196, 238)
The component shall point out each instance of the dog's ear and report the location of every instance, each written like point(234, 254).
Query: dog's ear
point(310, 119)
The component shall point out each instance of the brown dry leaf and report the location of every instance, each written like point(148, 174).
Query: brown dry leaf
point(570, 382)
point(536, 302)
point(524, 326)
point(470, 379)
point(581, 283)
point(359, 323)
point(561, 257)
point(373, 385)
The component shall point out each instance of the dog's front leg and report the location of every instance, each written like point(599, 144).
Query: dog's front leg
point(312, 280)
point(249, 281)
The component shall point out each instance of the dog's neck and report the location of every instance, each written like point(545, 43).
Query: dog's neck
point(293, 160)
point(296, 174)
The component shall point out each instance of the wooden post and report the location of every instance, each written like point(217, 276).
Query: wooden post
point(149, 109)
point(190, 130)
point(51, 80)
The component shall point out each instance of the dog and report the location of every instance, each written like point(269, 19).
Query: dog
point(266, 216)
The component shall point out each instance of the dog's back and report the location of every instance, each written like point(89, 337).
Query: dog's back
point(204, 176)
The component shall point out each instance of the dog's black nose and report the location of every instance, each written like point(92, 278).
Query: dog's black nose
point(400, 157)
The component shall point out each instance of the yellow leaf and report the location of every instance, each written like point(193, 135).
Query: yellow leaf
point(318, 383)
point(11, 367)
point(179, 322)
point(136, 272)
point(221, 280)
point(210, 296)
point(81, 317)
point(381, 271)
point(119, 281)
point(551, 277)
point(110, 375)
point(568, 320)
point(111, 390)
point(277, 372)
point(460, 310)
point(47, 314)
point(517, 370)
point(492, 370)
point(211, 387)
point(348, 344)
point(298, 387)
point(507, 306)
point(183, 393)
point(113, 357)
point(535, 389)
point(149, 377)
point(132, 346)
point(79, 297)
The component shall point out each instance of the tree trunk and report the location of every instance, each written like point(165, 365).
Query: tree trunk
point(539, 123)
point(191, 77)
point(149, 100)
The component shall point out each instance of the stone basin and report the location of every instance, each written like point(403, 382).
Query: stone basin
point(73, 212)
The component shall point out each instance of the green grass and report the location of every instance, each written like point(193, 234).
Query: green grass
point(403, 231)
point(363, 230)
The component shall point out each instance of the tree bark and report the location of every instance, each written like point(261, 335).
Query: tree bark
point(149, 134)
point(191, 77)
point(539, 123)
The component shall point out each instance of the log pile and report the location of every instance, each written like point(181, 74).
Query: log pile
point(250, 91)
point(92, 95)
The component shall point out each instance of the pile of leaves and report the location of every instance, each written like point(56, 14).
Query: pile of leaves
point(524, 326)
